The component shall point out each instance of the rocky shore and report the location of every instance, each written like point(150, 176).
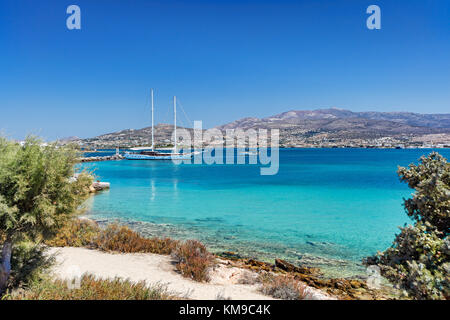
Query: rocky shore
point(346, 288)
point(342, 288)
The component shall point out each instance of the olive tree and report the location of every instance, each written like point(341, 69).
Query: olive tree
point(419, 259)
point(38, 193)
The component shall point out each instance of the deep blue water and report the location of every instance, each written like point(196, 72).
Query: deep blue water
point(325, 207)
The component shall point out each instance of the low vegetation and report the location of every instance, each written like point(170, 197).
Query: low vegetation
point(284, 287)
point(123, 239)
point(28, 264)
point(91, 288)
point(193, 260)
point(75, 233)
point(191, 257)
point(418, 262)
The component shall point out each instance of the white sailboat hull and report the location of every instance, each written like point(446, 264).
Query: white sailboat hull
point(137, 156)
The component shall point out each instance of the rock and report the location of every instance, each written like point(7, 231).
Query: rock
point(286, 266)
point(230, 255)
point(259, 265)
point(357, 284)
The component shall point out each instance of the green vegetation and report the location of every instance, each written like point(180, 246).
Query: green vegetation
point(37, 194)
point(28, 264)
point(418, 262)
point(91, 288)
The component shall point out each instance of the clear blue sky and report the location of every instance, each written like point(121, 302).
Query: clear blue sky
point(224, 60)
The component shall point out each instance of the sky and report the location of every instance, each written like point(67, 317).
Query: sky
point(224, 60)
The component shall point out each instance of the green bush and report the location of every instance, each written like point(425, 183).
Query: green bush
point(28, 263)
point(37, 194)
point(418, 262)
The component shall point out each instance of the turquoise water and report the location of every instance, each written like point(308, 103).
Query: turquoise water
point(326, 207)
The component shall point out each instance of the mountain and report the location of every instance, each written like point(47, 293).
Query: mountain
point(68, 139)
point(339, 127)
point(302, 117)
point(314, 128)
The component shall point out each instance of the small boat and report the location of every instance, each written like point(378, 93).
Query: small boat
point(144, 153)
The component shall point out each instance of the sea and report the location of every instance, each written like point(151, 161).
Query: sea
point(326, 208)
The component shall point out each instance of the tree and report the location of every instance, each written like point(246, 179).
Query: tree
point(37, 193)
point(419, 259)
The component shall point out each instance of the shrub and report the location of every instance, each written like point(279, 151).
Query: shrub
point(193, 260)
point(249, 277)
point(123, 239)
point(37, 194)
point(91, 288)
point(418, 261)
point(86, 233)
point(76, 233)
point(283, 287)
point(28, 263)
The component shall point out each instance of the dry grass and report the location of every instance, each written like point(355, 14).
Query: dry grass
point(193, 260)
point(249, 277)
point(75, 233)
point(91, 288)
point(86, 233)
point(283, 287)
point(191, 257)
point(123, 239)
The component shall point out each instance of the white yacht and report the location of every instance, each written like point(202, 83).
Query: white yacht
point(144, 153)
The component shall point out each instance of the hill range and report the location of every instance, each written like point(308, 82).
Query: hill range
point(314, 128)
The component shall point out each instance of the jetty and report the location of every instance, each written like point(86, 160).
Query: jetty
point(105, 158)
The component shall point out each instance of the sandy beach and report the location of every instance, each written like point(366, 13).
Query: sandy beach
point(154, 268)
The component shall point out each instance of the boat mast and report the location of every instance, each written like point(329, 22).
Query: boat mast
point(175, 123)
point(153, 137)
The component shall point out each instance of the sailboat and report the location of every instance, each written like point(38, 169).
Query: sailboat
point(145, 153)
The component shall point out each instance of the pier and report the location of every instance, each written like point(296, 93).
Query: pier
point(106, 158)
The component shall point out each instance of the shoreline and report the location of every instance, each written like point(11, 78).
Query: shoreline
point(330, 268)
point(154, 269)
point(107, 149)
point(231, 277)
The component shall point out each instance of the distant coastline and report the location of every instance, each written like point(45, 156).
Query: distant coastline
point(322, 128)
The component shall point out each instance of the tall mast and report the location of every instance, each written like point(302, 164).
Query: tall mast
point(175, 123)
point(153, 137)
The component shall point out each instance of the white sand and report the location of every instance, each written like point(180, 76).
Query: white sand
point(151, 268)
point(154, 268)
